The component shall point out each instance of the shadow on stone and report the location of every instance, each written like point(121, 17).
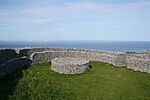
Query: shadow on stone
point(9, 82)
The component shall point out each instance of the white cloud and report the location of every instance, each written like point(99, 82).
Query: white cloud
point(54, 14)
point(136, 5)
point(68, 8)
point(81, 7)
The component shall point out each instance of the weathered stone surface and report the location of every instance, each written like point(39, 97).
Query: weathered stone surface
point(7, 54)
point(120, 59)
point(11, 65)
point(68, 65)
point(15, 63)
point(137, 62)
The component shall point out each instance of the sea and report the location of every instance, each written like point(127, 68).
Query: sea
point(122, 46)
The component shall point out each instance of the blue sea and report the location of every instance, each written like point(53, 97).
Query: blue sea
point(125, 46)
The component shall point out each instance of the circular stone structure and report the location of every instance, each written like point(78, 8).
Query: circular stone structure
point(69, 65)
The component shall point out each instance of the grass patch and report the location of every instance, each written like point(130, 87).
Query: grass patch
point(103, 82)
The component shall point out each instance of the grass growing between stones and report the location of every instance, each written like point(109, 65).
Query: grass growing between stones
point(103, 82)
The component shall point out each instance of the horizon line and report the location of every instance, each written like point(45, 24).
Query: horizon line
point(72, 40)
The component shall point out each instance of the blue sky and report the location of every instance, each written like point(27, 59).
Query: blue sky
point(44, 20)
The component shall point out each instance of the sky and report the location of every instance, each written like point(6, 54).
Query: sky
point(46, 20)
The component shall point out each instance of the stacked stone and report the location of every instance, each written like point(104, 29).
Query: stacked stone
point(10, 60)
point(138, 62)
point(69, 65)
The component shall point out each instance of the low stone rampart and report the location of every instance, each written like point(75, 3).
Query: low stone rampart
point(137, 62)
point(7, 54)
point(92, 55)
point(69, 65)
point(10, 60)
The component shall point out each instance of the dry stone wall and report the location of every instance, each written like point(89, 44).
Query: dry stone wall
point(92, 55)
point(10, 60)
point(137, 62)
point(68, 65)
point(7, 54)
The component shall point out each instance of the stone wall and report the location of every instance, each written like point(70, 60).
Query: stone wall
point(138, 62)
point(10, 60)
point(7, 54)
point(68, 65)
point(115, 58)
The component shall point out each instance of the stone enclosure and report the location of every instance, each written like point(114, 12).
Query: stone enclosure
point(11, 59)
point(70, 65)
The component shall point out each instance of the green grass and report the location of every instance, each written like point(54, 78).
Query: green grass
point(103, 82)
